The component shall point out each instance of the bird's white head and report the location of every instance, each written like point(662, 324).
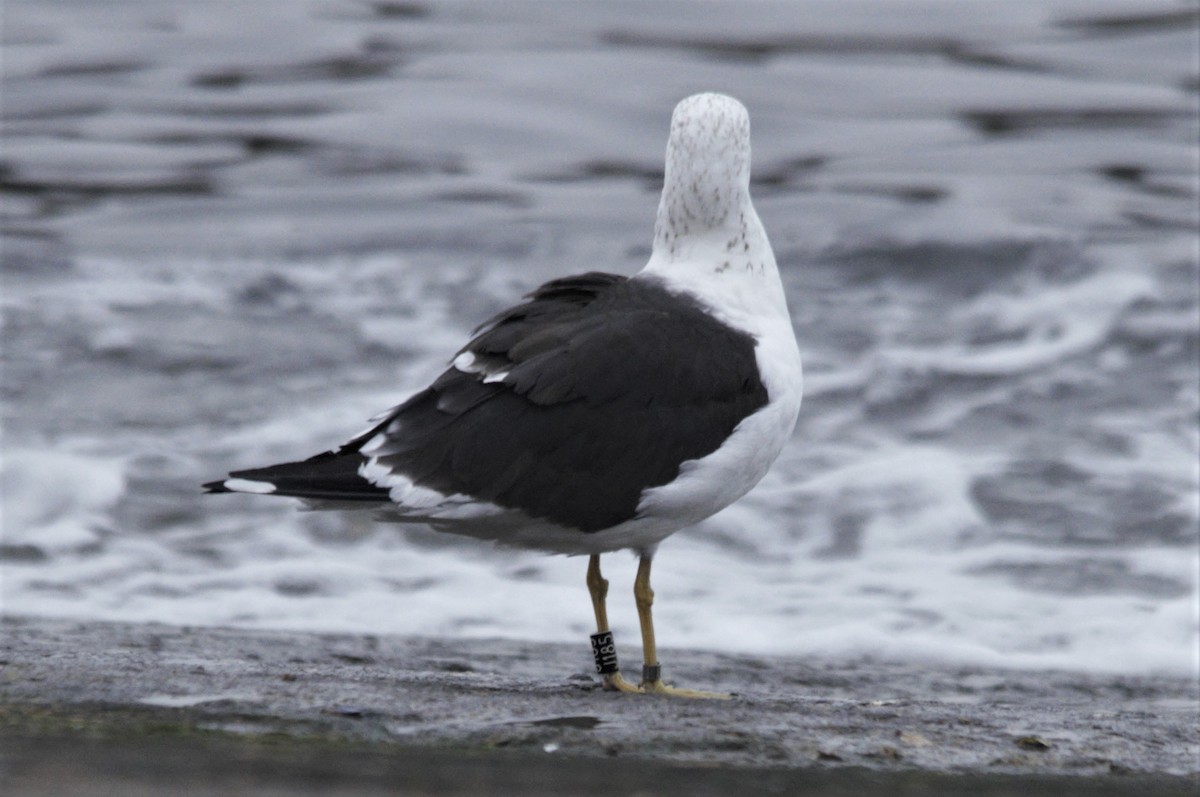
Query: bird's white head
point(708, 240)
point(706, 184)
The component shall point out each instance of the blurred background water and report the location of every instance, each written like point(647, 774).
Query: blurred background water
point(233, 231)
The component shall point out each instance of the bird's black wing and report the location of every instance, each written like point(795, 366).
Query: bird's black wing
point(566, 407)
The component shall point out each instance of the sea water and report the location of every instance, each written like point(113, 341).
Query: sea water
point(234, 231)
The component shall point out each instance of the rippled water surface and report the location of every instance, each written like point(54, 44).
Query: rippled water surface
point(233, 231)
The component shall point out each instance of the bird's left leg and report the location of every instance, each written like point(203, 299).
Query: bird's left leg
point(651, 670)
point(598, 587)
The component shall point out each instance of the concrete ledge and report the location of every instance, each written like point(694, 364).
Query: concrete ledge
point(213, 710)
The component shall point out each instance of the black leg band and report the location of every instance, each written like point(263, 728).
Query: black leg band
point(604, 650)
point(651, 673)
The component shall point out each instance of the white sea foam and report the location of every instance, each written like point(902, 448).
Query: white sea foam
point(56, 500)
point(919, 589)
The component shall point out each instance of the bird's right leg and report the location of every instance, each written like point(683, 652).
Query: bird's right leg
point(598, 587)
point(652, 683)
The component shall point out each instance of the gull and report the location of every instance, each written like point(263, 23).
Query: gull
point(604, 412)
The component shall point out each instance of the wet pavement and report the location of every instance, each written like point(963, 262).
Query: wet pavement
point(82, 701)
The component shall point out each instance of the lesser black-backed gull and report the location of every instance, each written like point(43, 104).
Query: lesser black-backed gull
point(604, 412)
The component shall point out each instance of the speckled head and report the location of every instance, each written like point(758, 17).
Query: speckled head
point(707, 180)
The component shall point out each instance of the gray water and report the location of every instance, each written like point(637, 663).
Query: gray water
point(233, 231)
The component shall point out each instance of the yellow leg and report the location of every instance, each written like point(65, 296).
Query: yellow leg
point(643, 595)
point(651, 672)
point(598, 587)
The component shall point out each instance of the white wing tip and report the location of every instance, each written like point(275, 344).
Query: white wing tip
point(249, 486)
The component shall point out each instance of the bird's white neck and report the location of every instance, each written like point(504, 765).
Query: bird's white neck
point(732, 270)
